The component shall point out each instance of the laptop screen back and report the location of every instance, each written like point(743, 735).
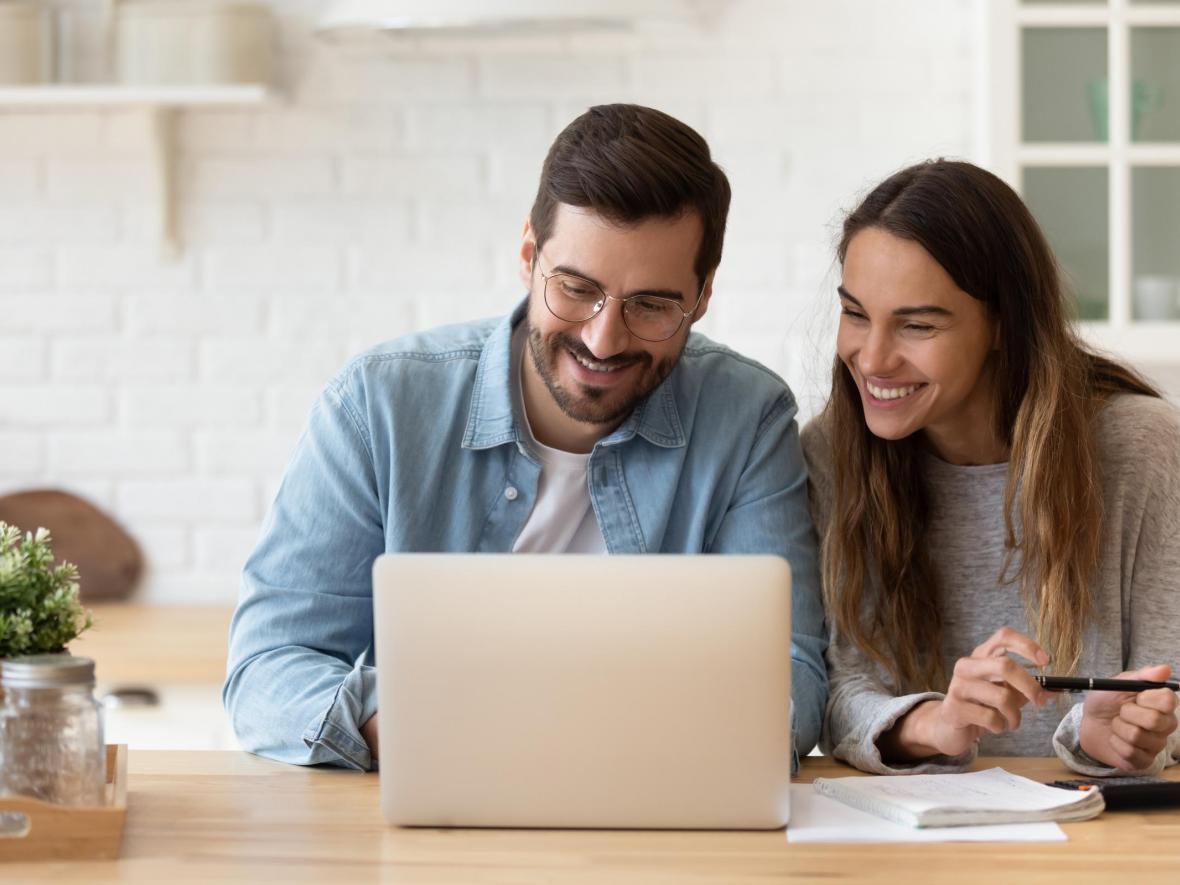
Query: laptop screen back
point(583, 691)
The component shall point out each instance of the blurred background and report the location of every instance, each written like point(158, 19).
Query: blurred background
point(206, 208)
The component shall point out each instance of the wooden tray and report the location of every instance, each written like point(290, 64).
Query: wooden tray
point(62, 832)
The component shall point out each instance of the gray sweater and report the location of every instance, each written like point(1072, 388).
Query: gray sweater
point(1136, 589)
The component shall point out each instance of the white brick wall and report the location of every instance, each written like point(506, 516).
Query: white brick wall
point(386, 193)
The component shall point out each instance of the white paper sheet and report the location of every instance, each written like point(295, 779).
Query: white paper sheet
point(816, 818)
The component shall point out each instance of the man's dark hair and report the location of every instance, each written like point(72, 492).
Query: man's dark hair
point(628, 163)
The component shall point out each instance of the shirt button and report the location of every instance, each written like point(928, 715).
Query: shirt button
point(510, 493)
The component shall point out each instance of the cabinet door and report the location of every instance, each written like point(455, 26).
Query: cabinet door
point(1063, 91)
point(1073, 208)
point(1155, 238)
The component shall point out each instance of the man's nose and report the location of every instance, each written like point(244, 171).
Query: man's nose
point(605, 333)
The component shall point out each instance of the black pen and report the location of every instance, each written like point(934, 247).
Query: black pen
point(1086, 683)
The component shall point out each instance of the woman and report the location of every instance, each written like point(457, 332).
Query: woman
point(984, 485)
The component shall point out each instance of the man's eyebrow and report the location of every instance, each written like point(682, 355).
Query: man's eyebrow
point(915, 310)
point(574, 272)
point(658, 293)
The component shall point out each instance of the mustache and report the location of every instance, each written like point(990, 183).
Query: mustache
point(577, 348)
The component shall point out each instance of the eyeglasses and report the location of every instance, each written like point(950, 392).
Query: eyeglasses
point(574, 299)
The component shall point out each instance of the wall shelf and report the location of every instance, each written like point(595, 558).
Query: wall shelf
point(107, 96)
point(160, 104)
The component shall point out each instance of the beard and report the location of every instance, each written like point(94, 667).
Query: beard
point(586, 403)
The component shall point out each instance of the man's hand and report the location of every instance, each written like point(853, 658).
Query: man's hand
point(369, 733)
point(1127, 730)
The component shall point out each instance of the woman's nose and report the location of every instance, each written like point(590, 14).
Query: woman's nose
point(877, 355)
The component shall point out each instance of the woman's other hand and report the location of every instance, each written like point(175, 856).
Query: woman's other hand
point(1127, 730)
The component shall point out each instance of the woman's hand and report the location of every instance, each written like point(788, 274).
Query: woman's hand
point(1127, 730)
point(985, 695)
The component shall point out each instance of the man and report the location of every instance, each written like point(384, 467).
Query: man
point(589, 420)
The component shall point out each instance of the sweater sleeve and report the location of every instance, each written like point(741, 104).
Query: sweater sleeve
point(863, 703)
point(1141, 460)
point(862, 707)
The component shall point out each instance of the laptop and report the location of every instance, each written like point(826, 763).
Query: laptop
point(551, 690)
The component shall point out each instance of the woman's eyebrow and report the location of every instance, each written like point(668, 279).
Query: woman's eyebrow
point(901, 311)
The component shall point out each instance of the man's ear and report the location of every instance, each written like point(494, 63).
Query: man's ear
point(528, 254)
point(706, 294)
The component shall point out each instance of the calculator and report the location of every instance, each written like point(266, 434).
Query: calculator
point(1128, 792)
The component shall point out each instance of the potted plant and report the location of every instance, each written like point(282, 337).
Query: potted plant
point(51, 738)
point(39, 608)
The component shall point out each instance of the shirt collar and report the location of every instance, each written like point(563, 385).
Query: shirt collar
point(491, 419)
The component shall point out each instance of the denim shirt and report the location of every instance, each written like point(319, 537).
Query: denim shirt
point(415, 446)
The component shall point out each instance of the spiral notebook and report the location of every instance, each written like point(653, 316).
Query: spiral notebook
point(994, 796)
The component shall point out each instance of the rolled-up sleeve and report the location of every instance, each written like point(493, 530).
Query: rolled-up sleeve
point(299, 684)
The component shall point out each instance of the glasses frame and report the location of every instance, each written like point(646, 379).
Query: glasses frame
point(601, 303)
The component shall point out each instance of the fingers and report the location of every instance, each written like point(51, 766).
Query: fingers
point(1129, 729)
point(1007, 640)
point(960, 713)
point(1109, 704)
point(1162, 700)
point(1001, 705)
point(1002, 670)
point(1151, 734)
point(981, 693)
point(1130, 757)
point(1146, 720)
point(1141, 730)
point(1154, 673)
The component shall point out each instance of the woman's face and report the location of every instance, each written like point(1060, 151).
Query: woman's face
point(918, 348)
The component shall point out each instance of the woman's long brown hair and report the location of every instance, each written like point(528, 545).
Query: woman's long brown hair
point(1048, 388)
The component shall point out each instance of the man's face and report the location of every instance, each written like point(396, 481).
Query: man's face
point(597, 371)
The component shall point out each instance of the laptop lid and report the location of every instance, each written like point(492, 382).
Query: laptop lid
point(555, 690)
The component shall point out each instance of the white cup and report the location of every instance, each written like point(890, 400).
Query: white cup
point(1155, 297)
point(26, 44)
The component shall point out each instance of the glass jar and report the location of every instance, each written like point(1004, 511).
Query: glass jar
point(51, 743)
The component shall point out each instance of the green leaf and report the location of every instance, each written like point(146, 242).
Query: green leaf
point(39, 607)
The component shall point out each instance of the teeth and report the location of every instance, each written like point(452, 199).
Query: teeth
point(596, 367)
point(891, 392)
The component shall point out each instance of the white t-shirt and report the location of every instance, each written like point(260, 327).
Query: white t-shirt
point(563, 519)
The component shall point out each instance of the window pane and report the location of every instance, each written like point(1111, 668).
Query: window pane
point(1155, 238)
point(1072, 207)
point(1155, 84)
point(1064, 84)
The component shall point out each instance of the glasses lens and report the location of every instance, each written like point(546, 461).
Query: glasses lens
point(651, 318)
point(571, 298)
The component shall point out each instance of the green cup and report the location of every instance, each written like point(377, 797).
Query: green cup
point(1145, 98)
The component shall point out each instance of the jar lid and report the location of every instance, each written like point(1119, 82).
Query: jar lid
point(46, 671)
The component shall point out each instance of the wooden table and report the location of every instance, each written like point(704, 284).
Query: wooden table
point(230, 817)
point(157, 644)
